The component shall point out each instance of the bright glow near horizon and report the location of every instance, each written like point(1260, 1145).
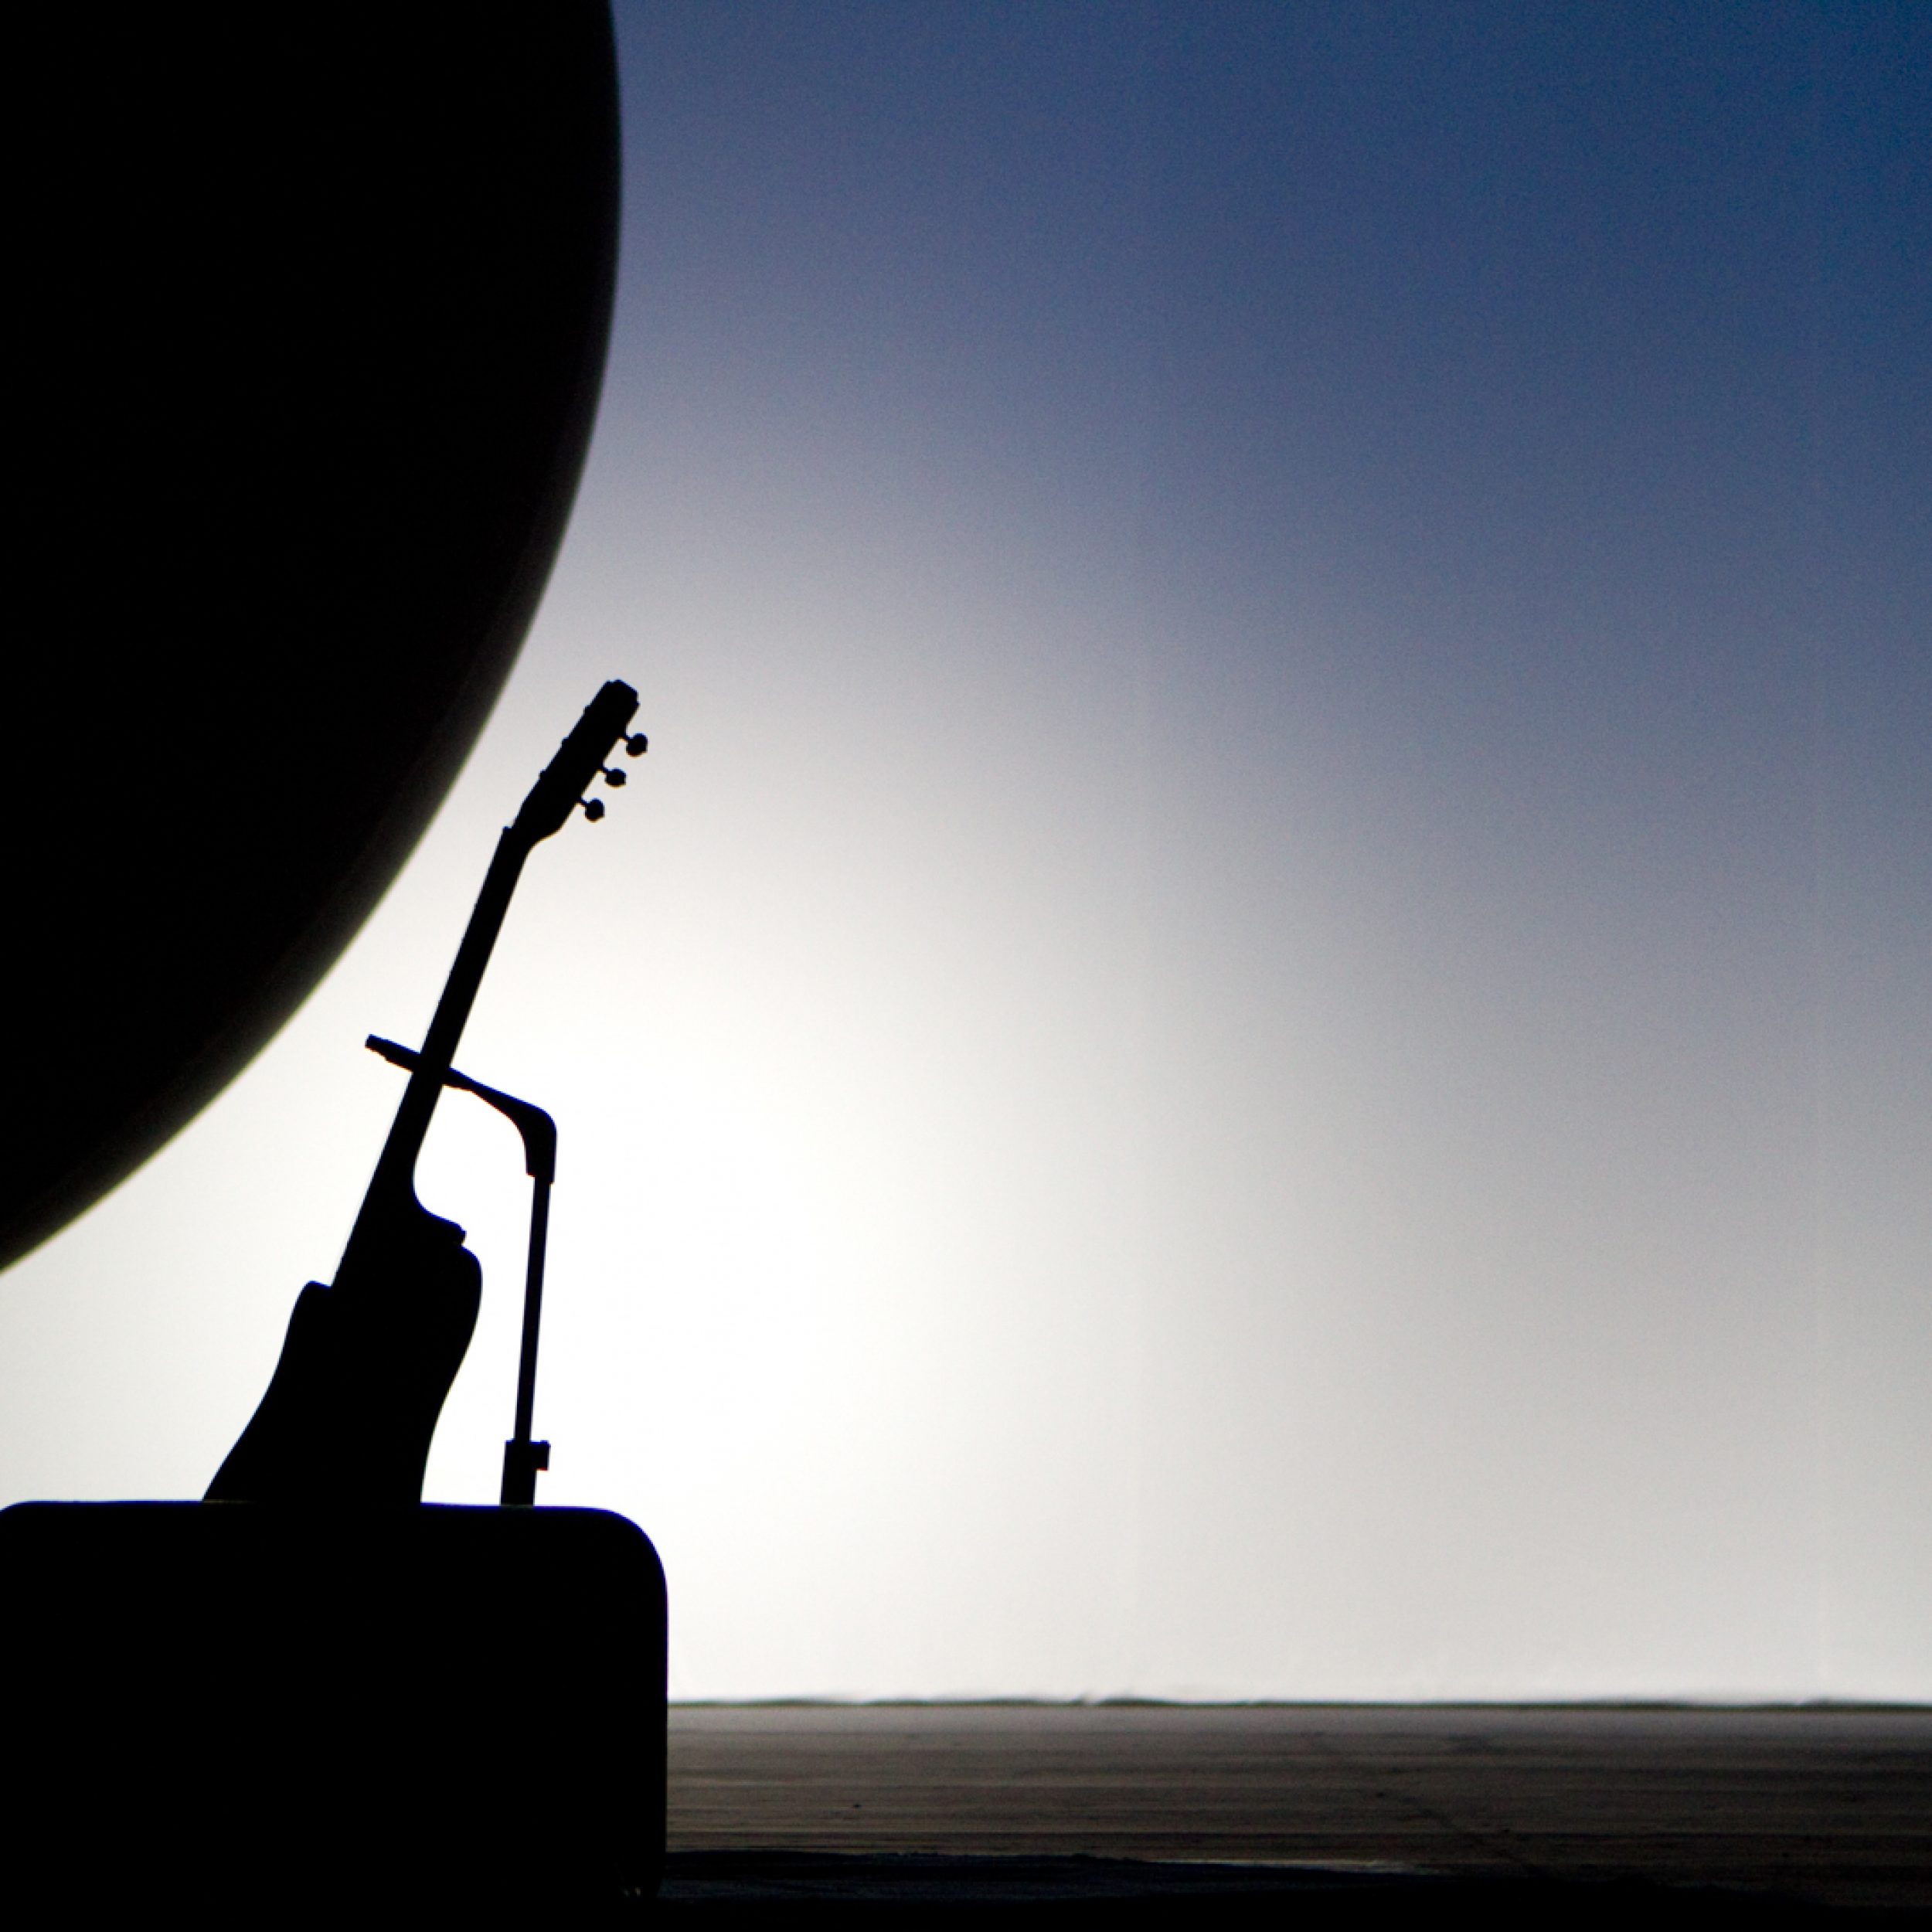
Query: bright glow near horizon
point(1260, 1026)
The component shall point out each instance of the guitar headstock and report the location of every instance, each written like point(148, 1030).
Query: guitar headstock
point(579, 760)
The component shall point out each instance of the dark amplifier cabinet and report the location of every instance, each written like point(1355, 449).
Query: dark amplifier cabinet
point(281, 1713)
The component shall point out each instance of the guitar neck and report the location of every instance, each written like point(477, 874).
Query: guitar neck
point(412, 1121)
point(551, 801)
point(393, 1182)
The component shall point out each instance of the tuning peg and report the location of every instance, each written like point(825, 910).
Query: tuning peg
point(636, 745)
point(593, 808)
point(612, 776)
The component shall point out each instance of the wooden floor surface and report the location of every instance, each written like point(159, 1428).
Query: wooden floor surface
point(1833, 1805)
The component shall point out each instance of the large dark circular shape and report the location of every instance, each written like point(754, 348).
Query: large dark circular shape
point(316, 302)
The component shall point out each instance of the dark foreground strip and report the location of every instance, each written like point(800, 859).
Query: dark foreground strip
point(763, 1885)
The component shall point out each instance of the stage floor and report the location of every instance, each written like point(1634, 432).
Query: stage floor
point(1830, 1807)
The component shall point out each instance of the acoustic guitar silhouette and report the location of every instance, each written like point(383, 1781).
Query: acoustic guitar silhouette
point(368, 1363)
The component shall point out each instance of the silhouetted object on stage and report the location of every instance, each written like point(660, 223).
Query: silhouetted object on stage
point(281, 1717)
point(300, 1696)
point(522, 1457)
point(309, 309)
point(367, 1363)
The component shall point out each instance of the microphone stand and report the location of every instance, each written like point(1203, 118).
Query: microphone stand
point(522, 1457)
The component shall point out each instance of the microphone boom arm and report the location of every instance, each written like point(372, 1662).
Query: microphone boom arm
point(522, 1457)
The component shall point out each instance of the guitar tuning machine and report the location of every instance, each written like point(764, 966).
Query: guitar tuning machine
point(634, 747)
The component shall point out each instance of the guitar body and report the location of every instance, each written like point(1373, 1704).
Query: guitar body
point(365, 1370)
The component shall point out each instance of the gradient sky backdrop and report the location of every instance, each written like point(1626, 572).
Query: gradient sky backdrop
point(1263, 1024)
